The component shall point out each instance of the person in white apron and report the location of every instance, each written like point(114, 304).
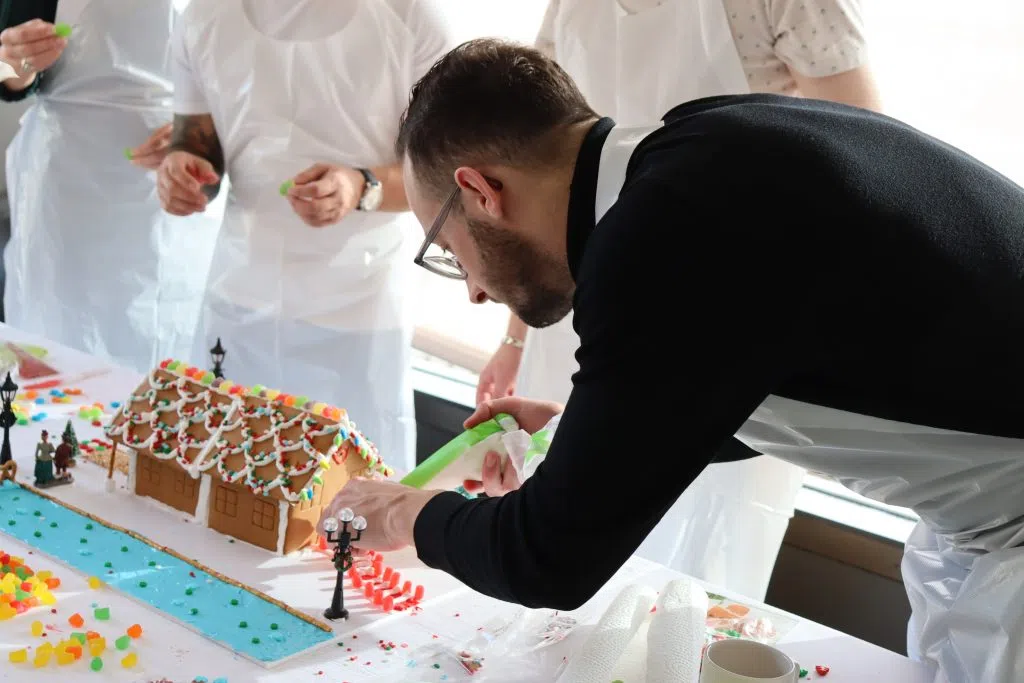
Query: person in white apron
point(728, 527)
point(93, 261)
point(319, 312)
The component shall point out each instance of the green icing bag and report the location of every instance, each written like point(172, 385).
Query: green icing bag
point(450, 457)
point(62, 30)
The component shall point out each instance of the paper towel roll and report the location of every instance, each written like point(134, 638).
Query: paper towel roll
point(596, 659)
point(676, 635)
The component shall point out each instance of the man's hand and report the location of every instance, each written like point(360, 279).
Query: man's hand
point(29, 48)
point(531, 415)
point(324, 194)
point(150, 154)
point(390, 510)
point(497, 479)
point(498, 378)
point(180, 182)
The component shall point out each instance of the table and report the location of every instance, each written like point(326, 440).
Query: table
point(451, 614)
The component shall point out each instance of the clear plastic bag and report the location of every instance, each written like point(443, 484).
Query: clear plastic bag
point(502, 651)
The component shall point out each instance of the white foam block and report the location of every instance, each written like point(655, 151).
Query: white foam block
point(676, 635)
point(598, 656)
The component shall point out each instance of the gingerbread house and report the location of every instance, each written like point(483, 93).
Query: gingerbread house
point(252, 463)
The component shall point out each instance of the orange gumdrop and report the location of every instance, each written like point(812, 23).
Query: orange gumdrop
point(53, 583)
point(719, 612)
point(135, 631)
point(7, 597)
point(91, 635)
point(75, 650)
point(739, 610)
point(76, 620)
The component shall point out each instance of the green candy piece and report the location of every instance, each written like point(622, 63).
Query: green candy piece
point(255, 640)
point(128, 153)
point(207, 378)
point(11, 522)
point(273, 627)
point(38, 534)
point(96, 664)
point(88, 527)
point(124, 549)
point(243, 624)
point(803, 673)
point(234, 601)
point(194, 611)
point(62, 30)
point(20, 595)
point(189, 591)
point(80, 637)
point(37, 513)
point(142, 584)
point(102, 613)
point(83, 540)
point(108, 565)
point(152, 563)
point(123, 643)
point(22, 421)
point(285, 186)
point(53, 525)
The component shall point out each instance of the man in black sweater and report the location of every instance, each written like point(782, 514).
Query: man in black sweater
point(889, 314)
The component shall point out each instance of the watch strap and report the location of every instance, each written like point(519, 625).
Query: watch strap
point(370, 181)
point(512, 341)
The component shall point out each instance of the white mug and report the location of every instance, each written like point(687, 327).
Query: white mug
point(747, 661)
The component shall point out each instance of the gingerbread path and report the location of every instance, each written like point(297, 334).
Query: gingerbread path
point(238, 617)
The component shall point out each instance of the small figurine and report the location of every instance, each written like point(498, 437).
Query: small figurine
point(44, 464)
point(70, 438)
point(63, 454)
point(8, 471)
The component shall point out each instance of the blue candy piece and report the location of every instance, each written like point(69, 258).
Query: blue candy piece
point(200, 679)
point(38, 416)
point(55, 392)
point(220, 680)
point(39, 401)
point(115, 404)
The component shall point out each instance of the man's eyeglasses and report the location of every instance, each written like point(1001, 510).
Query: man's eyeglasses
point(445, 265)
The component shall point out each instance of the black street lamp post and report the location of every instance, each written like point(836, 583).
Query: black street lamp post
point(342, 555)
point(8, 390)
point(217, 353)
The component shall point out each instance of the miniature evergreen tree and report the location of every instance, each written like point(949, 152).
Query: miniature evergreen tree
point(69, 431)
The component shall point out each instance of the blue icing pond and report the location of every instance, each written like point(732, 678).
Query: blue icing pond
point(245, 622)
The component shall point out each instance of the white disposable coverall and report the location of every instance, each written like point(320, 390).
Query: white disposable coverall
point(93, 261)
point(321, 312)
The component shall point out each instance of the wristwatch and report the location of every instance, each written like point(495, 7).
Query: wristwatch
point(373, 192)
point(512, 341)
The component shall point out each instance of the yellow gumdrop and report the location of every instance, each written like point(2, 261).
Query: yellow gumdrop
point(7, 612)
point(37, 628)
point(95, 582)
point(318, 408)
point(130, 661)
point(47, 598)
point(226, 385)
point(273, 393)
point(44, 574)
point(18, 656)
point(41, 660)
point(64, 658)
point(45, 647)
point(97, 646)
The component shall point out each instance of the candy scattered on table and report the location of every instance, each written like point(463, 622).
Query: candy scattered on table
point(822, 670)
point(803, 673)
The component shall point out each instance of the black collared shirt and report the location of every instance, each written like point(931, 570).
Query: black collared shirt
point(759, 245)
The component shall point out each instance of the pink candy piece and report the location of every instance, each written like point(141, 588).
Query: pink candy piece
point(406, 587)
point(394, 580)
point(388, 571)
point(388, 603)
point(378, 596)
point(418, 595)
point(369, 590)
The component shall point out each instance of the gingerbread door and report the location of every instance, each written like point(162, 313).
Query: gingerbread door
point(235, 511)
point(166, 482)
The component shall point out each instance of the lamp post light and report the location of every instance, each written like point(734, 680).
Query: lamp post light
point(342, 555)
point(7, 417)
point(217, 353)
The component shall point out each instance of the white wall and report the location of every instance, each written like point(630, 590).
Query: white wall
point(10, 113)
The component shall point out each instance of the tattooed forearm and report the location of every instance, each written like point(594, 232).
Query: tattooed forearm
point(197, 135)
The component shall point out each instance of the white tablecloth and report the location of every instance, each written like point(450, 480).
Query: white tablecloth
point(451, 613)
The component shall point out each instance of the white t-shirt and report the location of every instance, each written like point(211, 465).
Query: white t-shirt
point(311, 20)
point(816, 38)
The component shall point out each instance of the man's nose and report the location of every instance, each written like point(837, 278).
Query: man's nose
point(476, 294)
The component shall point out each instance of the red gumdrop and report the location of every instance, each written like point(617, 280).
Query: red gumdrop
point(388, 603)
point(378, 596)
point(406, 587)
point(822, 670)
point(369, 590)
point(418, 595)
point(357, 581)
point(388, 571)
point(394, 580)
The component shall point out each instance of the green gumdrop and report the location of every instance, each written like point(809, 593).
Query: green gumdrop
point(22, 421)
point(285, 186)
point(142, 584)
point(123, 643)
point(96, 664)
point(273, 627)
point(255, 641)
point(62, 30)
point(38, 534)
point(242, 624)
point(124, 549)
point(128, 153)
point(80, 637)
point(803, 673)
point(108, 565)
point(102, 613)
point(194, 611)
point(234, 601)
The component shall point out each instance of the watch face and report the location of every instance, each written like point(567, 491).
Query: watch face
point(372, 197)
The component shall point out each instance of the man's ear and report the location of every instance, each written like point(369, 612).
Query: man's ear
point(478, 191)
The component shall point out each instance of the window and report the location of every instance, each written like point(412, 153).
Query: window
point(184, 485)
point(225, 501)
point(264, 515)
point(448, 326)
point(149, 470)
point(949, 70)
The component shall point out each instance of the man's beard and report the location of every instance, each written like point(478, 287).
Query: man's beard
point(536, 286)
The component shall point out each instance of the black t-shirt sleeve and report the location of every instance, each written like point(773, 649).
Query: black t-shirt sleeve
point(666, 376)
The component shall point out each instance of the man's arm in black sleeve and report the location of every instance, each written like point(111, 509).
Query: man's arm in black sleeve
point(648, 411)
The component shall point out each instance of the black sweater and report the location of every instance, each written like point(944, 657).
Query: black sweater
point(760, 245)
point(15, 13)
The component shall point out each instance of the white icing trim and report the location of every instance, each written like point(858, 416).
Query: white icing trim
point(203, 503)
point(133, 466)
point(282, 524)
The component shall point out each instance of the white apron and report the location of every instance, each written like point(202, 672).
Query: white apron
point(728, 526)
point(94, 263)
point(964, 565)
point(321, 312)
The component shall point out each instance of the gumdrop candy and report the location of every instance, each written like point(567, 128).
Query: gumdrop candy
point(91, 635)
point(42, 658)
point(130, 660)
point(96, 647)
point(18, 656)
point(96, 664)
point(65, 657)
point(76, 620)
point(123, 643)
point(95, 582)
point(135, 631)
point(53, 583)
point(102, 613)
point(37, 628)
point(80, 637)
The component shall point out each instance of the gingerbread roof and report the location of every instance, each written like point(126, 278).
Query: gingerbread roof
point(275, 444)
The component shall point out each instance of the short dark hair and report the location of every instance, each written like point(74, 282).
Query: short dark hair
point(487, 101)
